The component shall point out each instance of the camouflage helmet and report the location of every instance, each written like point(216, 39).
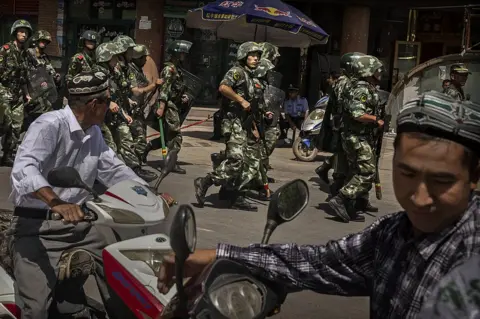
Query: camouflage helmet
point(88, 35)
point(248, 47)
point(367, 65)
point(459, 69)
point(179, 46)
point(270, 51)
point(124, 42)
point(106, 51)
point(20, 24)
point(140, 51)
point(346, 62)
point(41, 35)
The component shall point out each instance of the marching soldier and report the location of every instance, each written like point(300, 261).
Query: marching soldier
point(13, 75)
point(359, 120)
point(84, 61)
point(118, 119)
point(458, 75)
point(35, 58)
point(238, 89)
point(140, 88)
point(171, 97)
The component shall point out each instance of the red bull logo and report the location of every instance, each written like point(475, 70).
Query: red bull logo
point(273, 11)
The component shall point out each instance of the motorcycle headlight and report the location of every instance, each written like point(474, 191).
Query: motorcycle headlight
point(238, 300)
point(315, 116)
point(122, 216)
point(153, 258)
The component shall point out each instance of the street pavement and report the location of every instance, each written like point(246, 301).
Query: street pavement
point(216, 224)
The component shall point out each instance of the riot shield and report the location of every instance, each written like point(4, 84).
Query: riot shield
point(274, 98)
point(274, 78)
point(192, 88)
point(41, 84)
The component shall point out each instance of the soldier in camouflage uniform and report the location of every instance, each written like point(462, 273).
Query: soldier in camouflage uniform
point(35, 57)
point(118, 119)
point(84, 61)
point(359, 120)
point(140, 89)
point(171, 97)
point(458, 75)
point(238, 89)
point(13, 75)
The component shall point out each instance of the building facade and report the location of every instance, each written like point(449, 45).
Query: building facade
point(390, 30)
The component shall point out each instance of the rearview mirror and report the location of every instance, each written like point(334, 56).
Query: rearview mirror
point(170, 161)
point(183, 239)
point(68, 177)
point(168, 166)
point(65, 177)
point(285, 205)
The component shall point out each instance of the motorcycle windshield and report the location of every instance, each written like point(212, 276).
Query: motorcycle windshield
point(432, 75)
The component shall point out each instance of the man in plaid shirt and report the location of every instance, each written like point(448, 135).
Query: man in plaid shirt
point(398, 259)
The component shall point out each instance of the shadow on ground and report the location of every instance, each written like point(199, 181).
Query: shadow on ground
point(201, 135)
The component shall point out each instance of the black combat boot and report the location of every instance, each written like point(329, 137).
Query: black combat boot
point(7, 160)
point(147, 176)
point(145, 153)
point(201, 185)
point(343, 209)
point(238, 202)
point(364, 205)
point(179, 170)
point(322, 172)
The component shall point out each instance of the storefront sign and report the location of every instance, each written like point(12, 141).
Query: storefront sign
point(129, 4)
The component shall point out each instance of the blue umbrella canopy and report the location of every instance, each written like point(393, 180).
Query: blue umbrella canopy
point(258, 20)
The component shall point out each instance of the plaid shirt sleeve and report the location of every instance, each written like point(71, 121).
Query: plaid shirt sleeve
point(341, 267)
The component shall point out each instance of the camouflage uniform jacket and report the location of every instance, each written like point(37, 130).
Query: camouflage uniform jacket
point(340, 88)
point(33, 60)
point(173, 87)
point(137, 79)
point(242, 83)
point(80, 62)
point(454, 92)
point(360, 99)
point(13, 71)
point(121, 87)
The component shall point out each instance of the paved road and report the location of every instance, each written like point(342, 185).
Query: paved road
point(313, 226)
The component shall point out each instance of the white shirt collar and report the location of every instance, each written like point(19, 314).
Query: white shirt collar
point(72, 120)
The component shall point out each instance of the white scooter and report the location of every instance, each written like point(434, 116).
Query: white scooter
point(224, 290)
point(128, 208)
point(304, 147)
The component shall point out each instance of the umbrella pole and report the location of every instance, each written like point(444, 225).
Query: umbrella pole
point(255, 34)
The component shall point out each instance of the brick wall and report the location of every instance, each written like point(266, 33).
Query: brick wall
point(153, 38)
point(47, 20)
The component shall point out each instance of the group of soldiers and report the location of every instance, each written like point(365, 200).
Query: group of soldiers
point(124, 128)
point(19, 106)
point(251, 100)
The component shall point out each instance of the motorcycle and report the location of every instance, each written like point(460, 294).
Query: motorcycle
point(304, 147)
point(128, 208)
point(225, 289)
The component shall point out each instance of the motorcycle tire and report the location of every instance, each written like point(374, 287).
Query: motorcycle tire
point(300, 153)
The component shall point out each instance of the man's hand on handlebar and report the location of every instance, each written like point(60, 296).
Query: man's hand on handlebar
point(193, 266)
point(71, 213)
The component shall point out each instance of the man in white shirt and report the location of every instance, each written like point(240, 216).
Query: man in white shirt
point(67, 137)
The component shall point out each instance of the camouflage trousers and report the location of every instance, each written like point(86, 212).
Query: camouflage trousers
point(252, 160)
point(3, 109)
point(173, 136)
point(108, 137)
point(230, 169)
point(361, 166)
point(138, 128)
point(13, 123)
point(339, 163)
point(124, 141)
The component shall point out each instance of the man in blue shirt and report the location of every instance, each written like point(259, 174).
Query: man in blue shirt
point(295, 108)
